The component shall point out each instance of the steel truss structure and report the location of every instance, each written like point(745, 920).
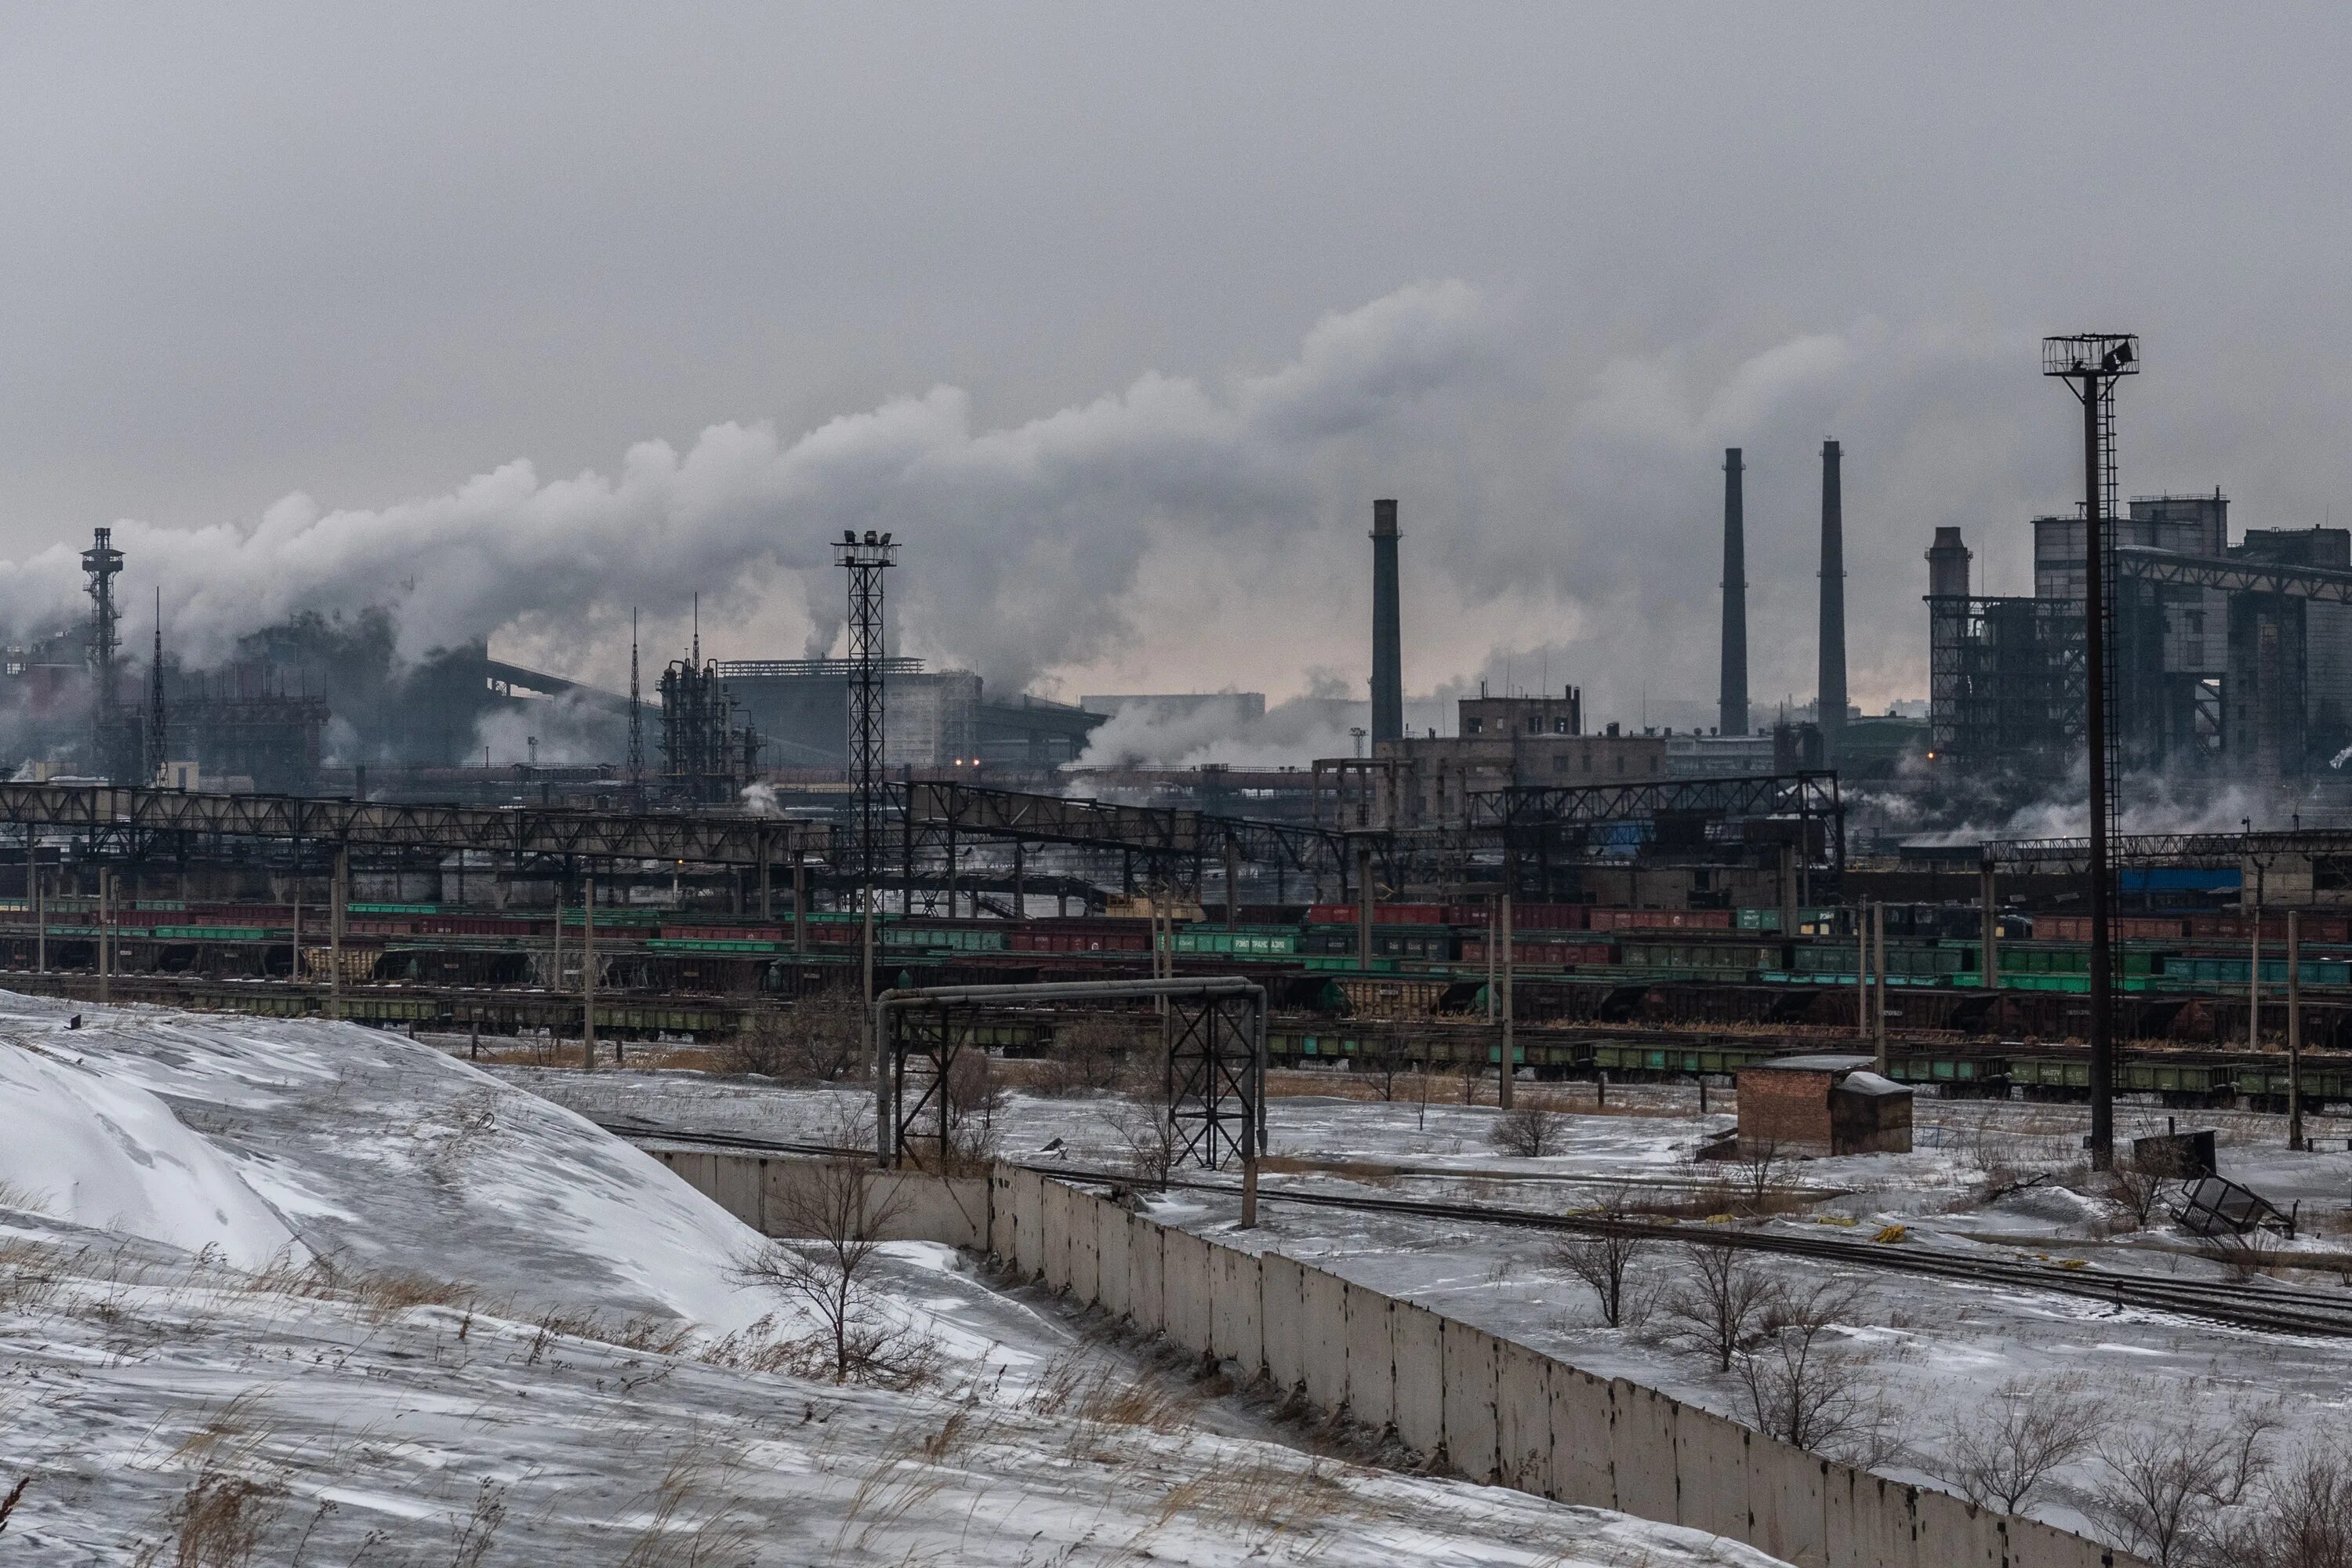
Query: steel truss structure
point(128, 817)
point(1541, 827)
point(1216, 1063)
point(2222, 850)
point(1164, 847)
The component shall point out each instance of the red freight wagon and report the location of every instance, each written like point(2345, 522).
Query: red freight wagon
point(1661, 920)
point(2125, 928)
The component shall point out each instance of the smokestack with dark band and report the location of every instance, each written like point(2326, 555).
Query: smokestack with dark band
point(1734, 718)
point(1830, 702)
point(1388, 629)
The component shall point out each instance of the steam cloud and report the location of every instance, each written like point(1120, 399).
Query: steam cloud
point(1028, 536)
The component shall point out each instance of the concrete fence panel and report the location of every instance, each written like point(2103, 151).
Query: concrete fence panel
point(1028, 1254)
point(1868, 1522)
point(1952, 1530)
point(1417, 1335)
point(1147, 1293)
point(1186, 1286)
point(1371, 1357)
point(1641, 1450)
point(1282, 1320)
point(1711, 1472)
point(1054, 1225)
point(1582, 1412)
point(2033, 1544)
point(1784, 1493)
point(1327, 1338)
point(1086, 1212)
point(1236, 1331)
point(1114, 1273)
point(1523, 1443)
point(738, 1185)
point(1468, 1397)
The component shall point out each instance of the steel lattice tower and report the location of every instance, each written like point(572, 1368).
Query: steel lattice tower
point(156, 754)
point(2091, 363)
point(637, 725)
point(103, 562)
point(866, 560)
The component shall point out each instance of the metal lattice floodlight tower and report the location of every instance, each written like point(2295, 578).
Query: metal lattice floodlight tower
point(103, 562)
point(1216, 1068)
point(866, 560)
point(2091, 363)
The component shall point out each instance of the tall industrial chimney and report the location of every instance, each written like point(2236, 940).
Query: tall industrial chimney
point(1388, 629)
point(1734, 716)
point(1829, 703)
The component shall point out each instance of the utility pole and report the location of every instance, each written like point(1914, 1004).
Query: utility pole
point(2091, 363)
point(1861, 971)
point(588, 977)
point(2294, 1032)
point(105, 935)
point(1508, 1066)
point(1878, 1007)
point(1989, 898)
point(339, 893)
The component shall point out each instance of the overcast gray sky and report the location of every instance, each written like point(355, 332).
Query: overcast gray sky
point(1119, 316)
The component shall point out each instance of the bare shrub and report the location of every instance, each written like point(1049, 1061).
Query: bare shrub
point(1529, 1132)
point(827, 1270)
point(2245, 1255)
point(2301, 1517)
point(480, 1526)
point(16, 1495)
point(2167, 1487)
point(2136, 1188)
point(1757, 1175)
point(220, 1520)
point(817, 1039)
point(1090, 1055)
point(1383, 1055)
point(1147, 1140)
point(1604, 1261)
point(690, 1519)
point(1796, 1384)
point(2002, 1451)
point(971, 1098)
point(1719, 1306)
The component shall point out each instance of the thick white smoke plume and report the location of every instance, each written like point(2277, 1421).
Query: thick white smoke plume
point(1027, 539)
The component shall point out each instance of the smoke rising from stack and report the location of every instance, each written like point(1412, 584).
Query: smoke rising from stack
point(1024, 539)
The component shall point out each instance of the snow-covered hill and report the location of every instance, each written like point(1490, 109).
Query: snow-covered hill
point(297, 1292)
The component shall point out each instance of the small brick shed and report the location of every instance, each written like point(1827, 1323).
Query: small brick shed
point(1822, 1105)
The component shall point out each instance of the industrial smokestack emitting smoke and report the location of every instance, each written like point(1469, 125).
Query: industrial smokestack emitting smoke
point(1829, 703)
point(1387, 628)
point(1734, 717)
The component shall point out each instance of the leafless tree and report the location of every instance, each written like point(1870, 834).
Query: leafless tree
point(1605, 1261)
point(2301, 1517)
point(1384, 1054)
point(1795, 1382)
point(1756, 1175)
point(1088, 1053)
point(817, 1039)
point(970, 1098)
point(2168, 1486)
point(1147, 1139)
point(1719, 1306)
point(2136, 1188)
point(839, 1218)
point(1999, 1452)
point(1529, 1131)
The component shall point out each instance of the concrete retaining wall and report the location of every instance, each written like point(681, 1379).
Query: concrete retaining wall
point(764, 1192)
point(1492, 1407)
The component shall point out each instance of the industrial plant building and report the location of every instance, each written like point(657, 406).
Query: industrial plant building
point(2232, 662)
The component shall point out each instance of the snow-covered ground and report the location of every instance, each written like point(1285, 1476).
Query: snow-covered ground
point(1923, 1351)
point(303, 1293)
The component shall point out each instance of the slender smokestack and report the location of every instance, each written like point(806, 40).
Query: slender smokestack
point(1829, 705)
point(1734, 717)
point(1387, 628)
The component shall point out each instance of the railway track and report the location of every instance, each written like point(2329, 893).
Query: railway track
point(2266, 1307)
